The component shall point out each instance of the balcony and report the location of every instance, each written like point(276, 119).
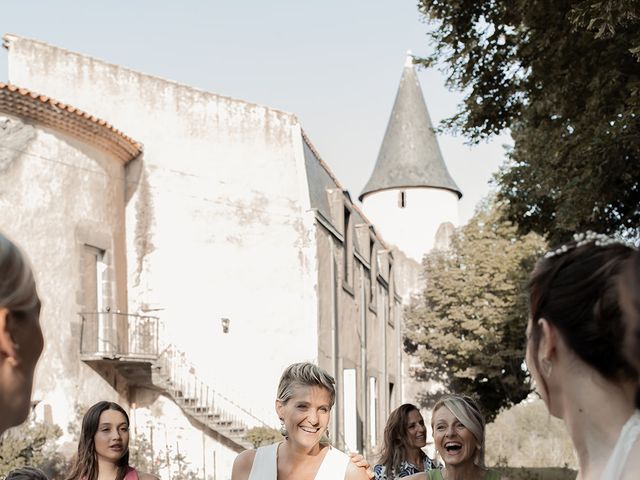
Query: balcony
point(120, 343)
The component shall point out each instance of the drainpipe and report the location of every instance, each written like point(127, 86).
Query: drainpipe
point(334, 338)
point(363, 361)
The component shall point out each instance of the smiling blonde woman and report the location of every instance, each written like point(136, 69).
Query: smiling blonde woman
point(458, 432)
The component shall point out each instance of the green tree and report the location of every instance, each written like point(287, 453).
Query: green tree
point(33, 444)
point(564, 77)
point(467, 326)
point(259, 436)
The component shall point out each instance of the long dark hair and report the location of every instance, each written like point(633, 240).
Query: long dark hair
point(394, 446)
point(85, 464)
point(576, 291)
point(629, 286)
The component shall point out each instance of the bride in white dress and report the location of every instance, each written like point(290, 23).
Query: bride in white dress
point(575, 355)
point(305, 396)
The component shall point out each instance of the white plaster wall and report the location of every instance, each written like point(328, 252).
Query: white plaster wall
point(172, 432)
point(52, 186)
point(217, 224)
point(412, 228)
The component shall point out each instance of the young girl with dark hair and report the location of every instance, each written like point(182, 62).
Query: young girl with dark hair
point(103, 449)
point(404, 437)
point(575, 354)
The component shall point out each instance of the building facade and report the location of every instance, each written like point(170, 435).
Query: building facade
point(185, 264)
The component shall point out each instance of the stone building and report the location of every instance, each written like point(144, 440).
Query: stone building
point(410, 196)
point(184, 264)
point(410, 193)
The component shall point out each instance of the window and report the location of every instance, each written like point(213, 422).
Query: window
point(97, 327)
point(349, 409)
point(373, 271)
point(347, 251)
point(402, 199)
point(373, 411)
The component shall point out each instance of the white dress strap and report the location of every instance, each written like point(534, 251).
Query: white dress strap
point(334, 466)
point(629, 435)
point(265, 463)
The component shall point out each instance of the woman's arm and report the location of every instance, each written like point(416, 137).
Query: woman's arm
point(242, 465)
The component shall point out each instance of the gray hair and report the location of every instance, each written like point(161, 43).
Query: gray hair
point(307, 375)
point(467, 411)
point(17, 286)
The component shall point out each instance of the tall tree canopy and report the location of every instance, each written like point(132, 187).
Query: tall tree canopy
point(564, 77)
point(467, 326)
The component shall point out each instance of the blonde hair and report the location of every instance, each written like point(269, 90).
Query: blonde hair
point(467, 411)
point(307, 375)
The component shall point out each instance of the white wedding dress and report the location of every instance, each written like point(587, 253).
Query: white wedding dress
point(629, 435)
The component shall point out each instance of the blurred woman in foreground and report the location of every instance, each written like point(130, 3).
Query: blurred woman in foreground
point(20, 335)
point(575, 354)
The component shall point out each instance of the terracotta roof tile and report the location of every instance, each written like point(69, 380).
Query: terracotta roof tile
point(55, 114)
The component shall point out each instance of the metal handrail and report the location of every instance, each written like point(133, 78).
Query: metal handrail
point(210, 402)
point(118, 334)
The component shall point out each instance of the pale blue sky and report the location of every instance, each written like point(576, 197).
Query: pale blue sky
point(336, 64)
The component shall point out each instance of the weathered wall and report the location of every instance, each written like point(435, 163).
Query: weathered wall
point(217, 220)
point(57, 195)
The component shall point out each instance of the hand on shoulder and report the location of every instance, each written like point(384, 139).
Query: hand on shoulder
point(355, 473)
point(242, 465)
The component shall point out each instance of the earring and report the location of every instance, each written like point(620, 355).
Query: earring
point(283, 429)
point(546, 367)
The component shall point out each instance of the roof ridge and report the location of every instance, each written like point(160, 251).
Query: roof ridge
point(9, 37)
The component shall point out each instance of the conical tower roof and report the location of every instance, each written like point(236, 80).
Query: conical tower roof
point(409, 155)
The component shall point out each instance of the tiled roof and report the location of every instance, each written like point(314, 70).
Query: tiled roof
point(52, 113)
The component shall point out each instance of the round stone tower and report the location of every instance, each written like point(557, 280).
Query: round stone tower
point(410, 192)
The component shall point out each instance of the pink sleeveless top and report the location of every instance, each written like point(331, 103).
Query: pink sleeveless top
point(131, 474)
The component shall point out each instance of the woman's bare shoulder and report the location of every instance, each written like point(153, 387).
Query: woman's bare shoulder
point(242, 465)
point(416, 476)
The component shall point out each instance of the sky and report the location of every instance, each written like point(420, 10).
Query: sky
point(336, 64)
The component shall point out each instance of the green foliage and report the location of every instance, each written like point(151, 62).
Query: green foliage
point(146, 458)
point(33, 444)
point(259, 436)
point(527, 436)
point(467, 327)
point(564, 77)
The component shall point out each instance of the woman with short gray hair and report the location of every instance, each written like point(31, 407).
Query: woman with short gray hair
point(305, 396)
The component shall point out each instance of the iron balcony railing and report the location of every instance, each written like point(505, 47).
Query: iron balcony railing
point(116, 334)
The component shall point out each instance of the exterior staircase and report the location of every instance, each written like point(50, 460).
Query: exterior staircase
point(127, 346)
